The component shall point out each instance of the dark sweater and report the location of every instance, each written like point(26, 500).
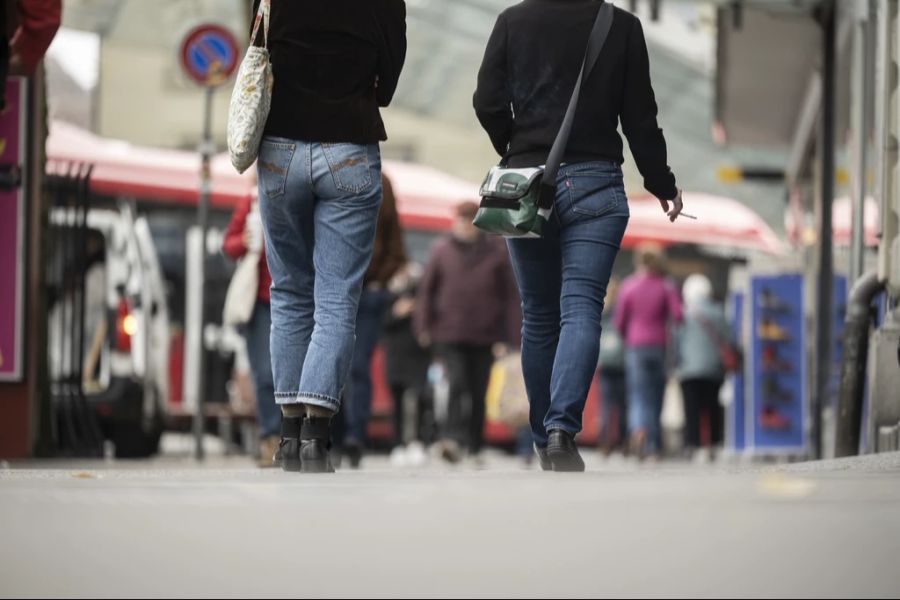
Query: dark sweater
point(529, 71)
point(334, 64)
point(468, 294)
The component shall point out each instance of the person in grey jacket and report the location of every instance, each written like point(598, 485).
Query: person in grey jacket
point(700, 364)
point(611, 371)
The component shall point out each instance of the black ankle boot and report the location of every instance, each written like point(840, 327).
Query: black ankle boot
point(315, 445)
point(563, 452)
point(354, 452)
point(288, 455)
point(543, 458)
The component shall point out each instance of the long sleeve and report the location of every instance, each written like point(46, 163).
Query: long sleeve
point(392, 55)
point(39, 22)
point(639, 120)
point(620, 316)
point(233, 242)
point(492, 100)
point(673, 303)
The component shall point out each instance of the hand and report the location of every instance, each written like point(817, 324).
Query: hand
point(16, 66)
point(253, 232)
point(500, 350)
point(677, 206)
point(404, 307)
point(425, 340)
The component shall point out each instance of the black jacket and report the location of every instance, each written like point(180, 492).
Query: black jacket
point(529, 71)
point(335, 63)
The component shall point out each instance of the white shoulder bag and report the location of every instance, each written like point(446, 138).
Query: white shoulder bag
point(242, 291)
point(251, 98)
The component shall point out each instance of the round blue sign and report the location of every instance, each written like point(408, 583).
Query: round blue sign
point(209, 54)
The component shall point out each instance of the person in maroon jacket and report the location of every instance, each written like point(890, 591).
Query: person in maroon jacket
point(243, 234)
point(26, 27)
point(469, 310)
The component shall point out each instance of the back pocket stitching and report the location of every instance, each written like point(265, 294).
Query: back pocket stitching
point(273, 167)
point(334, 167)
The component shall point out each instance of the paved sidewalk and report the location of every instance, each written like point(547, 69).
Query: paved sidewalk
point(224, 529)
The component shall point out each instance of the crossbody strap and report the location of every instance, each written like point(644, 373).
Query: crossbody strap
point(713, 334)
point(595, 44)
point(262, 18)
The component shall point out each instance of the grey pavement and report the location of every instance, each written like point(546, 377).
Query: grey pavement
point(224, 529)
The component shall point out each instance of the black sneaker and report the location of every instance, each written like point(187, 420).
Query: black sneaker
point(288, 454)
point(543, 458)
point(563, 452)
point(315, 445)
point(354, 452)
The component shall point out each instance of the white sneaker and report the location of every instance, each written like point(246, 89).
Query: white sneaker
point(416, 456)
point(398, 457)
point(476, 461)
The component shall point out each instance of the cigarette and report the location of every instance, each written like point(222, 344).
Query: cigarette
point(687, 216)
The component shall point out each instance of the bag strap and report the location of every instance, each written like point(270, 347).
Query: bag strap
point(262, 17)
point(721, 343)
point(595, 44)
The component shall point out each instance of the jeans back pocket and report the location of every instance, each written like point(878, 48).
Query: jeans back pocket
point(594, 194)
point(350, 167)
point(273, 165)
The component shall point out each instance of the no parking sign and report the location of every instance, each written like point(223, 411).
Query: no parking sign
point(209, 54)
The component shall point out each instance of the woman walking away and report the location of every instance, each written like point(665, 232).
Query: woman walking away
point(648, 305)
point(527, 80)
point(335, 63)
point(700, 365)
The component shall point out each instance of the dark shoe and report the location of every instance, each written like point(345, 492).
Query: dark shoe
point(563, 452)
point(449, 450)
point(315, 445)
point(354, 452)
point(336, 457)
point(288, 454)
point(543, 458)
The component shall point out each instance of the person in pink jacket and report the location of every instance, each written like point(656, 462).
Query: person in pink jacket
point(648, 303)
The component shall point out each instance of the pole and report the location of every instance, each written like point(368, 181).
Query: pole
point(860, 115)
point(825, 275)
point(207, 148)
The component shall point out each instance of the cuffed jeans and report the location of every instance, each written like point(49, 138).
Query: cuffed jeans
point(319, 205)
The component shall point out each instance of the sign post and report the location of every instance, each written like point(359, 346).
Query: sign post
point(209, 56)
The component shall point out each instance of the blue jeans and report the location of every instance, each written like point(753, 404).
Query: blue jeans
point(562, 280)
point(645, 374)
point(319, 204)
point(256, 333)
point(358, 408)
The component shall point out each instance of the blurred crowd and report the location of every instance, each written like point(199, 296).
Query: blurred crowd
point(450, 334)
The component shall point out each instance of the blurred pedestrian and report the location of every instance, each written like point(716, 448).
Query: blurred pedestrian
point(468, 309)
point(648, 304)
point(320, 188)
point(388, 257)
point(244, 235)
point(27, 27)
point(700, 365)
point(525, 84)
point(611, 367)
point(406, 371)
